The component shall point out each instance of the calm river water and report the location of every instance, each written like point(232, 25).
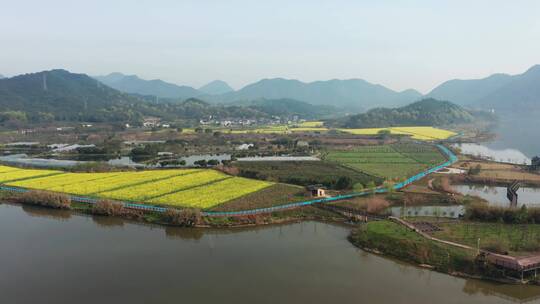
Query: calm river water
point(517, 140)
point(496, 196)
point(50, 256)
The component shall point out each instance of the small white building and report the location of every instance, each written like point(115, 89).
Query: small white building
point(317, 190)
point(244, 147)
point(165, 154)
point(151, 122)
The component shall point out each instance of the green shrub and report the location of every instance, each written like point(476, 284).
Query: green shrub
point(486, 213)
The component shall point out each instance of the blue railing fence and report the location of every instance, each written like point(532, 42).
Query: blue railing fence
point(451, 159)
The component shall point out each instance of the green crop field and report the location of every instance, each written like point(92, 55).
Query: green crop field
point(198, 188)
point(505, 237)
point(391, 162)
point(303, 172)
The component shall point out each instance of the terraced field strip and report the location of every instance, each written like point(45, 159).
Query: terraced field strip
point(8, 176)
point(311, 124)
point(389, 161)
point(423, 154)
point(183, 187)
point(149, 180)
point(4, 169)
point(58, 182)
point(212, 194)
point(151, 190)
point(420, 133)
point(92, 184)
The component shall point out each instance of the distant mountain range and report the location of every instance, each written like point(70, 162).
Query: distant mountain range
point(61, 95)
point(426, 112)
point(135, 85)
point(499, 91)
point(67, 96)
point(2, 76)
point(353, 94)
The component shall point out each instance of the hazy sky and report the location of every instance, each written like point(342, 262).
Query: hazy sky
point(399, 44)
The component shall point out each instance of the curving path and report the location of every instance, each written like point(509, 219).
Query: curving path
point(451, 158)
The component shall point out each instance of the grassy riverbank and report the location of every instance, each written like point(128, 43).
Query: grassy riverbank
point(397, 241)
point(515, 239)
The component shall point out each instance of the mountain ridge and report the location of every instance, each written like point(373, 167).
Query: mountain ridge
point(216, 87)
point(357, 94)
point(134, 85)
point(519, 92)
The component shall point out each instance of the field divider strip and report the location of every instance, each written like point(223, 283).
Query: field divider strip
point(143, 182)
point(451, 159)
point(90, 180)
point(32, 177)
point(189, 188)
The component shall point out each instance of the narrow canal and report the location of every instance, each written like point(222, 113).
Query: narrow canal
point(49, 256)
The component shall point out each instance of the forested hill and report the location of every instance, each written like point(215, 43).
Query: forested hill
point(61, 95)
point(427, 112)
point(287, 107)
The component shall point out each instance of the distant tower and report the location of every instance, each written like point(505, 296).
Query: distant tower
point(86, 104)
point(44, 81)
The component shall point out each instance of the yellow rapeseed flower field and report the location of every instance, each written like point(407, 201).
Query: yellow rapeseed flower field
point(311, 124)
point(420, 133)
point(8, 174)
point(205, 197)
point(200, 188)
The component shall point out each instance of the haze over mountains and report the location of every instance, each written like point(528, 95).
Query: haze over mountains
point(134, 85)
point(499, 91)
point(59, 95)
point(355, 94)
point(78, 96)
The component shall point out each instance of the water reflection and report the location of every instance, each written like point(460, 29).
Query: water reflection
point(507, 155)
point(514, 293)
point(82, 259)
point(108, 221)
point(496, 196)
point(184, 233)
point(36, 211)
